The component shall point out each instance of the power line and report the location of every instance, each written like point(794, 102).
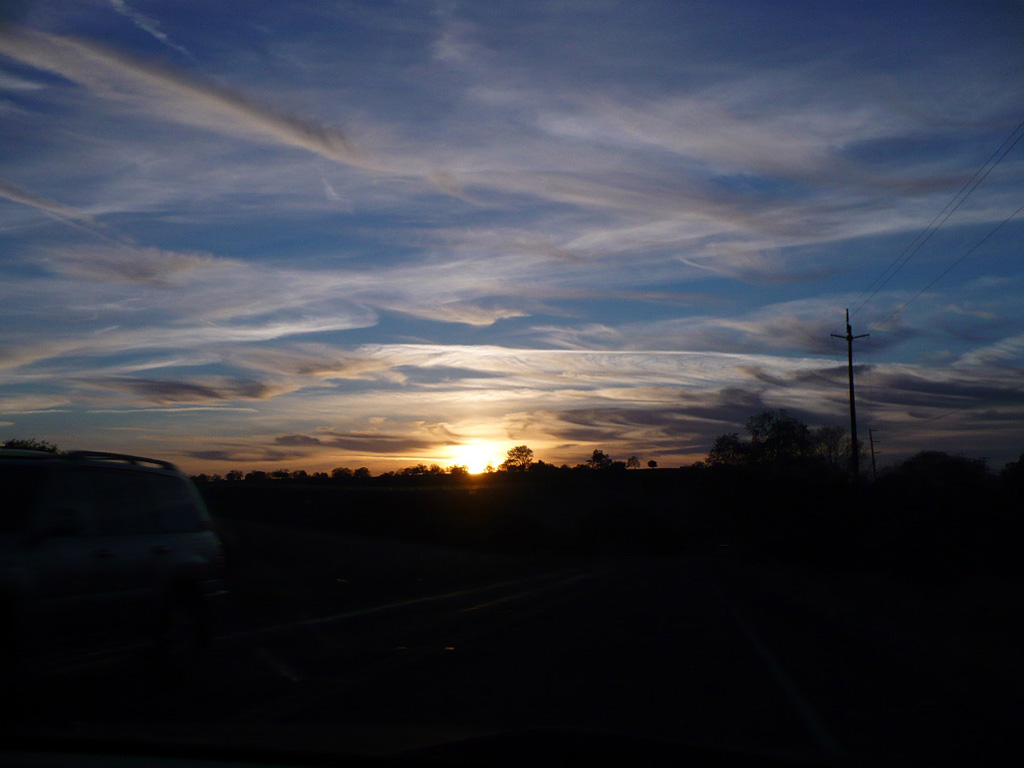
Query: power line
point(922, 238)
point(945, 414)
point(906, 428)
point(925, 235)
point(950, 268)
point(867, 383)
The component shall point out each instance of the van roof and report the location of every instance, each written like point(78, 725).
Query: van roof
point(91, 456)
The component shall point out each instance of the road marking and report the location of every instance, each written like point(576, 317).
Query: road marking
point(807, 713)
point(526, 593)
point(408, 656)
point(62, 663)
point(343, 616)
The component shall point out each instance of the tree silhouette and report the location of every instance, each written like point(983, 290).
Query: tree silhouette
point(938, 472)
point(831, 445)
point(777, 436)
point(727, 450)
point(599, 460)
point(652, 464)
point(31, 444)
point(633, 462)
point(518, 459)
point(1012, 476)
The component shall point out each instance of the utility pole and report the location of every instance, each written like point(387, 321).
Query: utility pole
point(871, 437)
point(855, 453)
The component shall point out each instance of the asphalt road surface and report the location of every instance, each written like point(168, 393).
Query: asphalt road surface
point(683, 650)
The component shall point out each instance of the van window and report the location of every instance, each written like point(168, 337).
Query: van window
point(125, 504)
point(178, 510)
point(20, 488)
point(69, 506)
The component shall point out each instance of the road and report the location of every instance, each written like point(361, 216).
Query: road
point(686, 650)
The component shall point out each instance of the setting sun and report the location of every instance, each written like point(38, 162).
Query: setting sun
point(476, 456)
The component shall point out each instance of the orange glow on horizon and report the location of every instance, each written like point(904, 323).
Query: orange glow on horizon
point(476, 456)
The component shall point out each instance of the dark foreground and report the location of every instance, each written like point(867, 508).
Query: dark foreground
point(342, 644)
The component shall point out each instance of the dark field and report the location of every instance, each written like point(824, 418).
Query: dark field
point(806, 627)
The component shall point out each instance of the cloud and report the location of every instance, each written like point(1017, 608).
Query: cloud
point(587, 369)
point(653, 428)
point(168, 391)
point(178, 97)
point(462, 312)
point(297, 440)
point(32, 403)
point(913, 387)
point(314, 360)
point(802, 325)
point(374, 443)
point(245, 455)
point(608, 171)
point(745, 261)
point(147, 25)
point(18, 195)
point(9, 82)
point(232, 303)
point(387, 439)
point(129, 264)
point(331, 193)
point(683, 424)
point(1004, 353)
point(454, 45)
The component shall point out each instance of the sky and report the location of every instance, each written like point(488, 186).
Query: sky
point(307, 235)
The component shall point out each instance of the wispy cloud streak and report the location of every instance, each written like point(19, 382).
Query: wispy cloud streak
point(186, 99)
point(148, 25)
point(62, 212)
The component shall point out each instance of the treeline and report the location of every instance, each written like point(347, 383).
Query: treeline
point(779, 450)
point(779, 444)
point(519, 461)
point(776, 495)
point(777, 438)
point(778, 447)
